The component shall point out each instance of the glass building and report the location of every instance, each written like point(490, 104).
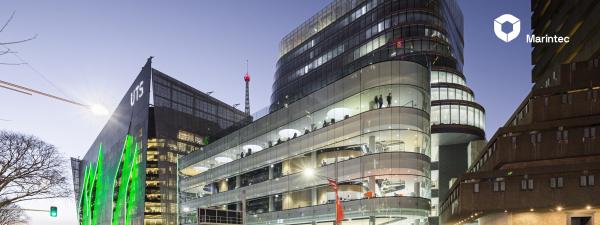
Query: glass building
point(128, 176)
point(369, 92)
point(349, 35)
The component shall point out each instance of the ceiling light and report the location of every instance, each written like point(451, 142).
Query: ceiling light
point(223, 159)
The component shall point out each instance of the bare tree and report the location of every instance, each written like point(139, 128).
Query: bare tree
point(30, 169)
point(12, 215)
point(5, 44)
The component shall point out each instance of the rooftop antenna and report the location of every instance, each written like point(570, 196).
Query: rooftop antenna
point(247, 80)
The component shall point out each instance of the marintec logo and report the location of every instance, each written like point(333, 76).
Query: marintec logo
point(516, 27)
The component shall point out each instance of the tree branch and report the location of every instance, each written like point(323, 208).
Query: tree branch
point(12, 15)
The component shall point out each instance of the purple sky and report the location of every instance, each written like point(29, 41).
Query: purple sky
point(92, 51)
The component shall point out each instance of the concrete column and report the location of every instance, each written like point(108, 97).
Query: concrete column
point(313, 194)
point(313, 191)
point(313, 159)
point(271, 206)
point(372, 144)
point(417, 188)
point(372, 186)
point(243, 199)
point(238, 181)
point(270, 172)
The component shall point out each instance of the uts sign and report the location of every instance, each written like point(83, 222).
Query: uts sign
point(137, 93)
point(516, 27)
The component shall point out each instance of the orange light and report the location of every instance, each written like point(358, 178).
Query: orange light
point(531, 210)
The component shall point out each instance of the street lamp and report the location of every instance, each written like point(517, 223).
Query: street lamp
point(98, 109)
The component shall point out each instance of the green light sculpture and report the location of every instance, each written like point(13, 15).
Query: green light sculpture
point(125, 191)
point(92, 193)
point(126, 183)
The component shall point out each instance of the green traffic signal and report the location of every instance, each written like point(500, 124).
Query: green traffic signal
point(53, 211)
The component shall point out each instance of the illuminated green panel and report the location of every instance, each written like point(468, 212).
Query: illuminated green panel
point(92, 193)
point(126, 184)
point(125, 192)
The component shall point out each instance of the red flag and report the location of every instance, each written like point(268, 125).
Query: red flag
point(339, 210)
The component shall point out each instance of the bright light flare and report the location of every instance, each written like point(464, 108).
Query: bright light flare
point(98, 110)
point(309, 172)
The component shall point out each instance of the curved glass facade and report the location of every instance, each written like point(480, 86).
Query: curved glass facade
point(453, 113)
point(450, 93)
point(357, 80)
point(447, 77)
point(348, 35)
point(379, 153)
point(330, 45)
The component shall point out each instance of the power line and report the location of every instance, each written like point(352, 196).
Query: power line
point(40, 74)
point(25, 89)
point(14, 89)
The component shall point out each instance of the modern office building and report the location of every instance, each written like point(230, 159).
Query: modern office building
point(368, 92)
point(129, 174)
point(540, 167)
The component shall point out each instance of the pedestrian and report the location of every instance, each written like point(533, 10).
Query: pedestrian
point(376, 101)
point(389, 99)
point(380, 101)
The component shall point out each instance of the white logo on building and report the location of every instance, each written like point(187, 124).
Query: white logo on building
point(516, 27)
point(137, 93)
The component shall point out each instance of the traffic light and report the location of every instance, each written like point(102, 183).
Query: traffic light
point(53, 211)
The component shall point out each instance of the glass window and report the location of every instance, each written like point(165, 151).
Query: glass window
point(435, 77)
point(443, 77)
point(559, 182)
point(451, 93)
point(435, 94)
point(445, 114)
point(443, 93)
point(454, 114)
point(463, 114)
point(471, 114)
point(530, 184)
point(435, 114)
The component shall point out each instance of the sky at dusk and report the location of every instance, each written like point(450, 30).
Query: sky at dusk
point(91, 51)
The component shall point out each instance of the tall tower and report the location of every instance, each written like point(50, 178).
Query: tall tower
point(247, 80)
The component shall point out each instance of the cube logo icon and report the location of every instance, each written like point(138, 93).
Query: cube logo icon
point(516, 27)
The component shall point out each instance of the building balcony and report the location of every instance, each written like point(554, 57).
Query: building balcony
point(386, 209)
point(409, 125)
point(382, 164)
